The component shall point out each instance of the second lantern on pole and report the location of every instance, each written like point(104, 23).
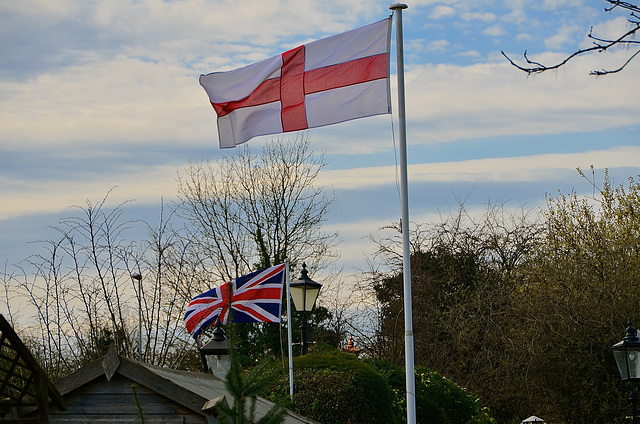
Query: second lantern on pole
point(304, 292)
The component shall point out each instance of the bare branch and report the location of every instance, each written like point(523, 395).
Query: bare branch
point(600, 45)
point(605, 72)
point(622, 4)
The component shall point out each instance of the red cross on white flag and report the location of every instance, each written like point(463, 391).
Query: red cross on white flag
point(332, 80)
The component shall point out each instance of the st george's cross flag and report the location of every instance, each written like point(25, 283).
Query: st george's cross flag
point(332, 80)
point(254, 297)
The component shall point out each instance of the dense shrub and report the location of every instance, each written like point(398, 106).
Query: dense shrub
point(333, 387)
point(438, 400)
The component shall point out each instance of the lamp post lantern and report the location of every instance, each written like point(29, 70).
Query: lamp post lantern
point(215, 354)
point(304, 292)
point(627, 355)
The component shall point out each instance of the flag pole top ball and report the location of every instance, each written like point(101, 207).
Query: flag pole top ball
point(398, 6)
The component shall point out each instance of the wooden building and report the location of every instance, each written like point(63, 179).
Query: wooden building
point(23, 384)
point(111, 390)
point(114, 389)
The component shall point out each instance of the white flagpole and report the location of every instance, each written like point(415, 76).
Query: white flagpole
point(406, 252)
point(289, 324)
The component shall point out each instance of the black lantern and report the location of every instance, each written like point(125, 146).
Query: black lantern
point(215, 354)
point(627, 356)
point(304, 292)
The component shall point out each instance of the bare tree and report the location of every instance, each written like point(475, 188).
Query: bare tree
point(78, 297)
point(247, 209)
point(166, 289)
point(600, 44)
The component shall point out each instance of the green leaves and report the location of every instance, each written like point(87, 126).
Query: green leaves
point(523, 311)
point(245, 388)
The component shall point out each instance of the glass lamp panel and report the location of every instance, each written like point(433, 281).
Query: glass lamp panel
point(297, 295)
point(634, 363)
point(304, 296)
point(621, 361)
point(219, 365)
point(312, 295)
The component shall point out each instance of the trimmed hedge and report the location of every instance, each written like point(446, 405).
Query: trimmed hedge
point(438, 399)
point(334, 387)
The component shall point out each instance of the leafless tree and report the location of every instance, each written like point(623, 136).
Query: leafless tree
point(247, 208)
point(78, 297)
point(600, 44)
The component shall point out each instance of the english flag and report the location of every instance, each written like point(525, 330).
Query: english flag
point(332, 80)
point(254, 297)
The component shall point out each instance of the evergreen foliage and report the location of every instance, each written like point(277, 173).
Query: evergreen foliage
point(334, 387)
point(524, 312)
point(438, 399)
point(245, 387)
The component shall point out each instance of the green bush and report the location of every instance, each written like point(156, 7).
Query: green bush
point(438, 400)
point(334, 387)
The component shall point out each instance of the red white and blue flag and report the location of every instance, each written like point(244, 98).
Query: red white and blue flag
point(254, 297)
point(331, 80)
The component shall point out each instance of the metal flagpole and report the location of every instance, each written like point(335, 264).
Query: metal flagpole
point(289, 325)
point(406, 253)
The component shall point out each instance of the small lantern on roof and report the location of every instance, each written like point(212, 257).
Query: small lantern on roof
point(351, 347)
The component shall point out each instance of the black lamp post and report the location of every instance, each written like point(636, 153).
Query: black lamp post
point(304, 292)
point(627, 356)
point(138, 277)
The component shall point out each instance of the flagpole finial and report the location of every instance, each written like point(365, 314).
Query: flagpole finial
point(398, 6)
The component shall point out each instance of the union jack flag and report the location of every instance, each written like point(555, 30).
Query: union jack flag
point(253, 297)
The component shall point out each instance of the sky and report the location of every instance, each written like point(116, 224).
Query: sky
point(102, 94)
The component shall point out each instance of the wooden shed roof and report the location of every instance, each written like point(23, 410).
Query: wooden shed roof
point(198, 392)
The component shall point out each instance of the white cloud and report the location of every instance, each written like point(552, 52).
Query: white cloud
point(147, 186)
point(567, 34)
point(524, 37)
point(517, 14)
point(120, 99)
point(555, 4)
point(509, 169)
point(43, 9)
point(442, 11)
point(469, 53)
point(438, 46)
point(611, 29)
point(494, 30)
point(478, 16)
point(446, 102)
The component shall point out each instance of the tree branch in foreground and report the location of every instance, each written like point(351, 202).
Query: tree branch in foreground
point(599, 45)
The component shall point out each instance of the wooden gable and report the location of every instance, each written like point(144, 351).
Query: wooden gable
point(122, 400)
point(23, 384)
